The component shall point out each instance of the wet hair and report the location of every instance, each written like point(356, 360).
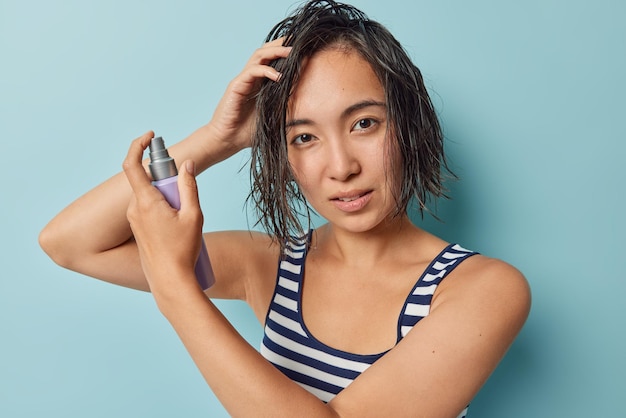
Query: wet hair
point(413, 129)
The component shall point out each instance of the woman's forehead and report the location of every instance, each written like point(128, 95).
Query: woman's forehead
point(334, 77)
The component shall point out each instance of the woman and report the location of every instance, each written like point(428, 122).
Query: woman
point(338, 120)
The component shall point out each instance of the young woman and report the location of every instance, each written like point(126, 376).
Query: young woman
point(367, 315)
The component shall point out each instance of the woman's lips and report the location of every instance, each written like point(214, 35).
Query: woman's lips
point(352, 202)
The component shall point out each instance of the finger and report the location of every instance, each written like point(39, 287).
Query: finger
point(188, 188)
point(135, 173)
point(276, 42)
point(267, 54)
point(251, 75)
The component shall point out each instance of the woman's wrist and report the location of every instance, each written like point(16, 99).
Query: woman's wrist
point(214, 147)
point(173, 295)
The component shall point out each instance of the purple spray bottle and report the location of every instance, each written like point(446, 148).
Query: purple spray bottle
point(165, 176)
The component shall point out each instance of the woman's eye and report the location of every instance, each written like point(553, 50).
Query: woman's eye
point(302, 139)
point(364, 124)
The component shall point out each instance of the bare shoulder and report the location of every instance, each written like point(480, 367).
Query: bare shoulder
point(477, 312)
point(488, 288)
point(242, 262)
point(480, 270)
point(256, 243)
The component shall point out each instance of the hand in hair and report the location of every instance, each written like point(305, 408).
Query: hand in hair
point(234, 119)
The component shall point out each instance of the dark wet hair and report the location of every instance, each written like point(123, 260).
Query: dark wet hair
point(413, 126)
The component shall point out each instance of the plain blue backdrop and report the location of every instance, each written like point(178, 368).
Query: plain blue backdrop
point(531, 96)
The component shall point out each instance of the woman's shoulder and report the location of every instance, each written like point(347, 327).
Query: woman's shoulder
point(489, 285)
point(242, 262)
point(244, 249)
point(484, 271)
point(249, 239)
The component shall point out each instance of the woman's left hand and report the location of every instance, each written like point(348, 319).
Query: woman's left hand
point(168, 240)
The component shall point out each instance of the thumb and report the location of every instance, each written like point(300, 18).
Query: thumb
point(188, 188)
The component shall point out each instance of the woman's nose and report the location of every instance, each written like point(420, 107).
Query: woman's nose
point(342, 161)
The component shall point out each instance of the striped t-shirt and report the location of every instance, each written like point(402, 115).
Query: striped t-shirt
point(320, 369)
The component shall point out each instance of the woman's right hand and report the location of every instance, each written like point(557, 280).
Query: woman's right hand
point(233, 121)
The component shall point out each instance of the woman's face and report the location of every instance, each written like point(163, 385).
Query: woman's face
point(336, 140)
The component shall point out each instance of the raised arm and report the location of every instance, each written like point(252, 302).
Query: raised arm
point(92, 235)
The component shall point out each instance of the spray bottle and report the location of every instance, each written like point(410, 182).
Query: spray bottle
point(165, 176)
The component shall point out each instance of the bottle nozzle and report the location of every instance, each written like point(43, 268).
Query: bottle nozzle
point(161, 165)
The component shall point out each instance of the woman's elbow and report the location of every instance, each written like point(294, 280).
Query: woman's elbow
point(51, 242)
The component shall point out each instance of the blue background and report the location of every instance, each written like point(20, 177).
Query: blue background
point(531, 96)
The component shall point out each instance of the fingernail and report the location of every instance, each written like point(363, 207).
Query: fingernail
point(272, 74)
point(190, 166)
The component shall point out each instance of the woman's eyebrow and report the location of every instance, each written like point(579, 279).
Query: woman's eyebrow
point(347, 112)
point(361, 105)
point(297, 122)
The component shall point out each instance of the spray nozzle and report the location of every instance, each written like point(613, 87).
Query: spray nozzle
point(161, 164)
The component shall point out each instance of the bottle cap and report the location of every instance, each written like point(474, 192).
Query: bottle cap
point(161, 165)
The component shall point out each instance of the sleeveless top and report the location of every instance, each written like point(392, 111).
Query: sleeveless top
point(318, 368)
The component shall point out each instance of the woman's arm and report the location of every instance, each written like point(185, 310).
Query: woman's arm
point(433, 372)
point(245, 383)
point(92, 235)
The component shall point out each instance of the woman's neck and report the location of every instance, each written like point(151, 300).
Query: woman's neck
point(369, 247)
